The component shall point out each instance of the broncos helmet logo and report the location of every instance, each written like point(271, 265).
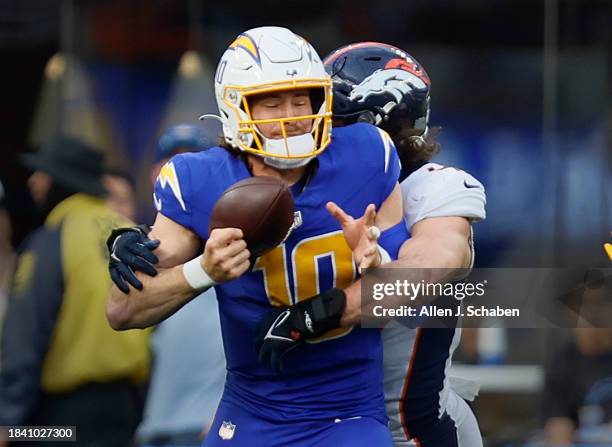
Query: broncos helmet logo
point(397, 82)
point(410, 66)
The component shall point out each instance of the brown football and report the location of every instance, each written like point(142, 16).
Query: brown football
point(262, 207)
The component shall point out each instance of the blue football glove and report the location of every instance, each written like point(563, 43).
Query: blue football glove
point(130, 250)
point(285, 328)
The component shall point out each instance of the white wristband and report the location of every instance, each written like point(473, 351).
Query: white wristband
point(195, 275)
point(385, 257)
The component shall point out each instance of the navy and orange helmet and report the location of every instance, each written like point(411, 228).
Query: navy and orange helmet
point(381, 84)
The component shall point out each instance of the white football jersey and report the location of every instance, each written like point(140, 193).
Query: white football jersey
point(434, 190)
point(431, 191)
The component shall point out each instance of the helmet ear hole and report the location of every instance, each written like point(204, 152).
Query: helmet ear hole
point(342, 87)
point(367, 116)
point(248, 100)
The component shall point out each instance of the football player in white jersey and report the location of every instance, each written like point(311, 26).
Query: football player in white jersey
point(385, 86)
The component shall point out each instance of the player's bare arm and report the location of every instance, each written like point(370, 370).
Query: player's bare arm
point(225, 257)
point(438, 247)
point(438, 242)
point(163, 294)
point(177, 243)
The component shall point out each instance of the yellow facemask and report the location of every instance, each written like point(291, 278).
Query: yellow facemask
point(252, 141)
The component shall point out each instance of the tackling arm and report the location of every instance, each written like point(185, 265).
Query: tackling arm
point(180, 277)
point(438, 248)
point(163, 294)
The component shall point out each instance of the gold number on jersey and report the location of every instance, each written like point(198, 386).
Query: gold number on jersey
point(304, 260)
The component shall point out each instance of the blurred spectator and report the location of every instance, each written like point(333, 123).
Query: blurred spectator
point(578, 386)
point(182, 401)
point(177, 140)
point(6, 252)
point(120, 196)
point(61, 363)
point(468, 347)
point(484, 345)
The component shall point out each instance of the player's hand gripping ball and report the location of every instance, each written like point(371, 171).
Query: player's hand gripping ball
point(262, 207)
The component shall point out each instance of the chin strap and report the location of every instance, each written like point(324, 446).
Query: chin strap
point(286, 163)
point(299, 144)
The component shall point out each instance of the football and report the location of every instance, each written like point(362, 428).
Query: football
point(262, 207)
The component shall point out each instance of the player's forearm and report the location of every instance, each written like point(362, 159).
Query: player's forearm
point(160, 297)
point(427, 255)
point(431, 261)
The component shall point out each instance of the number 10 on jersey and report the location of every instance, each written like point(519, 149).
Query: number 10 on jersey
point(304, 259)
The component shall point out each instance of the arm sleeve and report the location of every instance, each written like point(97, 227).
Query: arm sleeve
point(392, 239)
point(172, 192)
point(33, 306)
point(442, 191)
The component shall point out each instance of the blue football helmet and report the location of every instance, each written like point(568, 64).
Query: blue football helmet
point(381, 84)
point(183, 136)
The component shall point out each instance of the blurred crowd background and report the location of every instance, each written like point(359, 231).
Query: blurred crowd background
point(521, 88)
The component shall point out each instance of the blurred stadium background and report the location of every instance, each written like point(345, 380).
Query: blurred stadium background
point(521, 88)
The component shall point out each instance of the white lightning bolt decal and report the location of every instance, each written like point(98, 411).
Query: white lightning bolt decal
point(388, 145)
point(167, 176)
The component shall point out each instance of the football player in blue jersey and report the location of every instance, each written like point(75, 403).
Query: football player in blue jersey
point(274, 99)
